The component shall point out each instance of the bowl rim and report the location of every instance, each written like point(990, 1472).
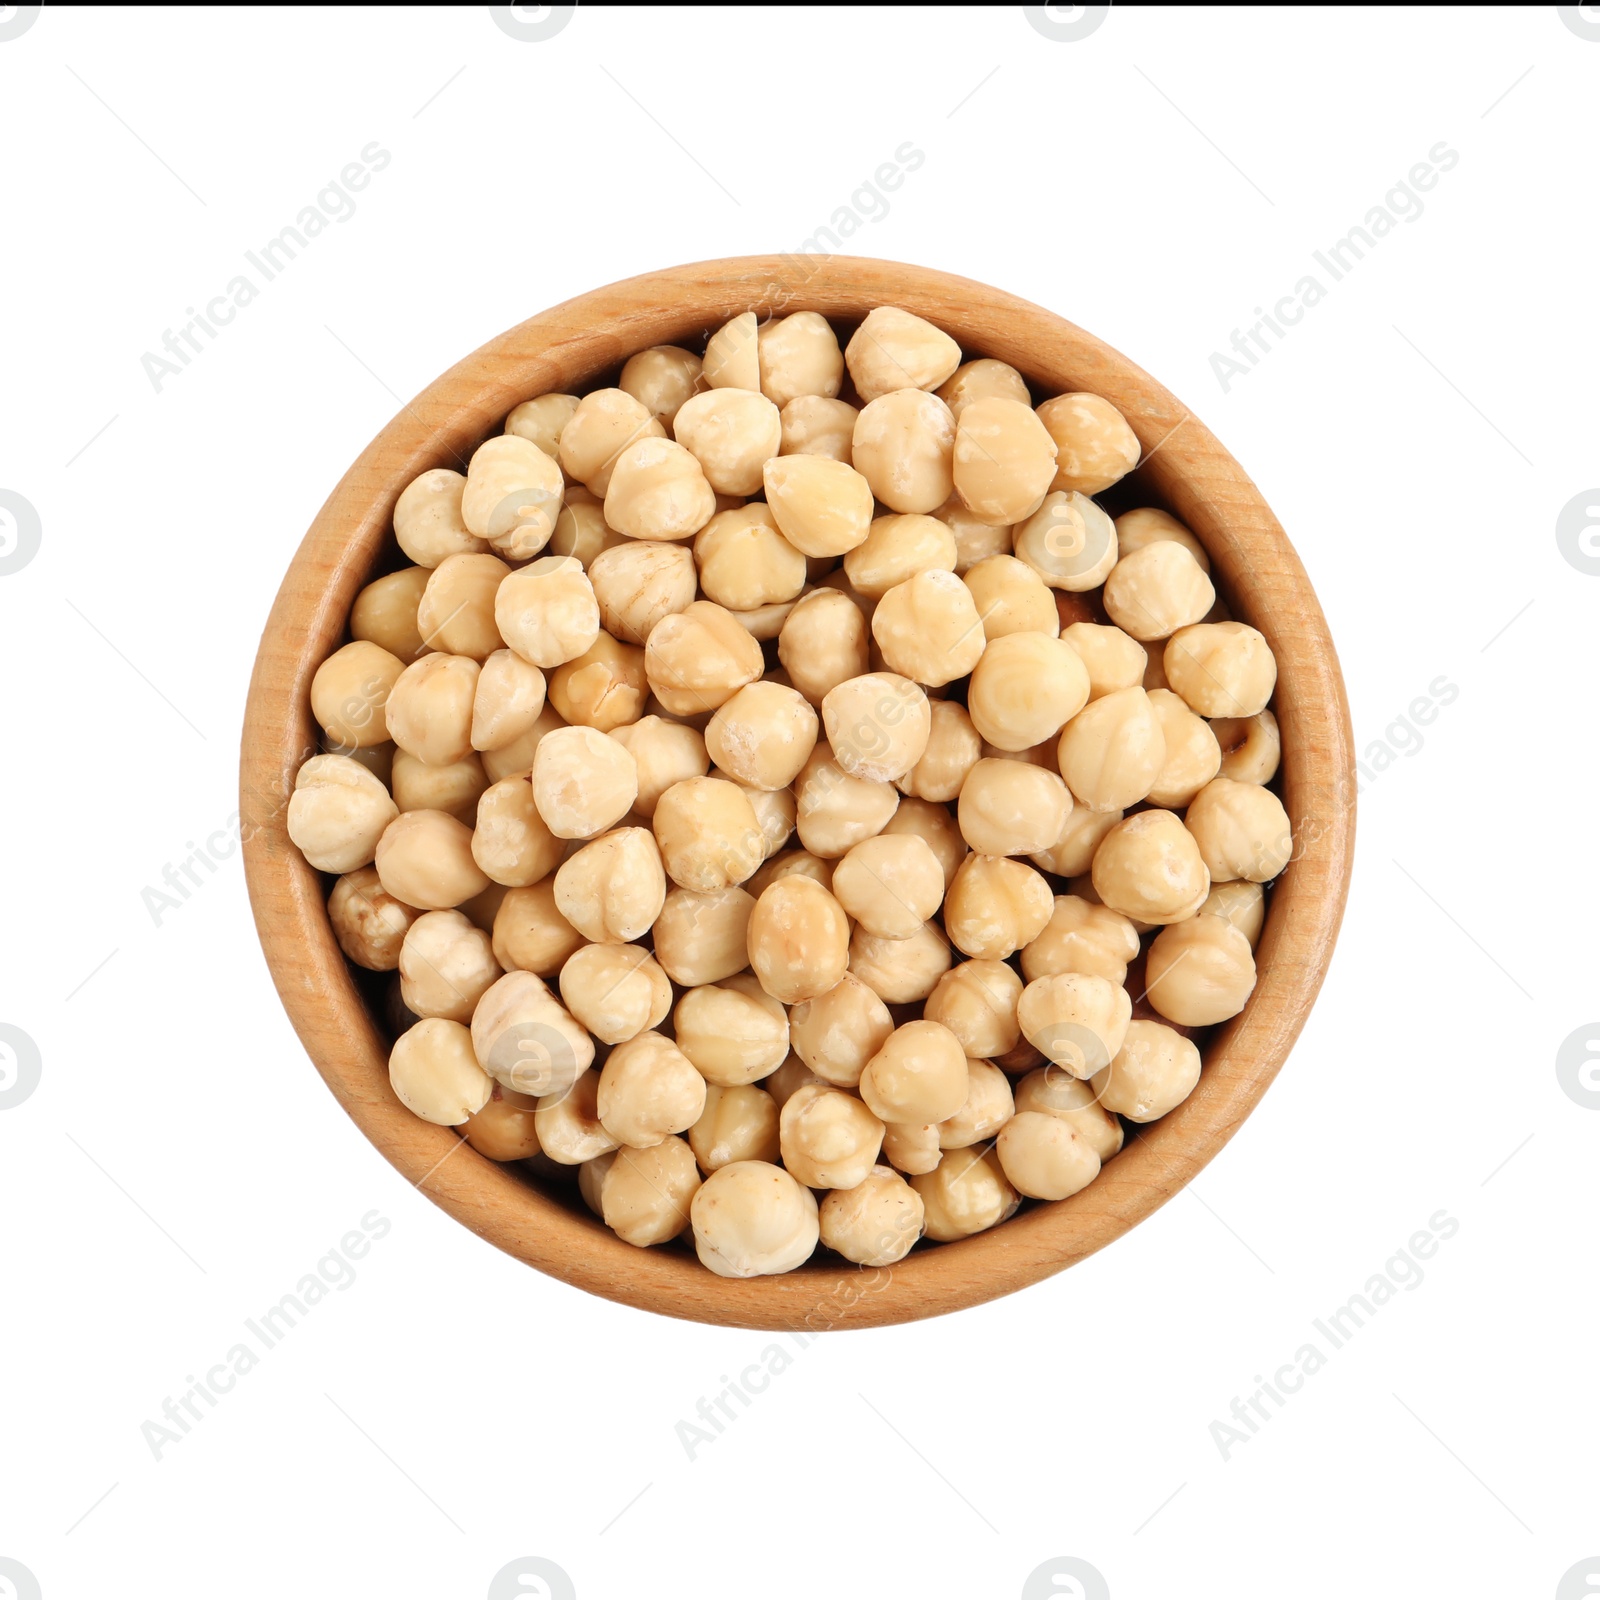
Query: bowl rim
point(585, 337)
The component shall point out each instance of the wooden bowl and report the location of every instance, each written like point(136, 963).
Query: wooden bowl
point(1185, 469)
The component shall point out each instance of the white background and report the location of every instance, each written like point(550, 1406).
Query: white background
point(181, 1166)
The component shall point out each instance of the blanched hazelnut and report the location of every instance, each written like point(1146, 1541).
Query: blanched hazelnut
point(427, 519)
point(745, 562)
point(738, 1124)
point(385, 613)
point(639, 583)
point(935, 825)
point(890, 885)
point(1136, 529)
point(903, 445)
point(456, 611)
point(1223, 669)
point(966, 1193)
point(775, 813)
point(664, 753)
point(698, 658)
point(1095, 445)
point(763, 735)
point(898, 548)
point(780, 866)
point(592, 1177)
point(977, 1002)
point(1076, 1020)
point(435, 1075)
point(541, 420)
point(428, 712)
point(919, 1075)
point(425, 859)
point(1069, 541)
point(583, 782)
point(648, 1090)
point(612, 889)
point(547, 612)
point(900, 971)
point(912, 1147)
point(835, 810)
point(734, 1032)
point(1012, 808)
point(995, 907)
point(1243, 904)
point(1155, 1070)
point(1045, 1157)
point(511, 842)
point(828, 1139)
point(338, 813)
point(789, 1079)
point(751, 1218)
point(349, 691)
point(1082, 937)
point(823, 642)
point(1250, 746)
point(1025, 688)
point(506, 701)
point(503, 1127)
point(1004, 459)
point(530, 934)
point(1058, 1094)
point(799, 355)
point(1242, 831)
point(1011, 598)
point(1199, 972)
point(982, 380)
point(732, 359)
point(732, 433)
point(1157, 590)
point(569, 1126)
point(823, 507)
point(928, 628)
point(369, 923)
point(603, 426)
point(512, 496)
point(603, 688)
point(484, 907)
point(813, 426)
point(582, 530)
point(455, 789)
point(707, 833)
point(615, 990)
point(799, 940)
point(1192, 753)
point(1112, 751)
point(976, 540)
point(702, 938)
point(446, 965)
point(658, 491)
point(875, 1222)
point(836, 1033)
point(893, 349)
point(877, 725)
point(525, 1039)
point(952, 750)
point(1073, 853)
point(661, 379)
point(1150, 869)
point(984, 1113)
point(646, 1195)
point(1114, 661)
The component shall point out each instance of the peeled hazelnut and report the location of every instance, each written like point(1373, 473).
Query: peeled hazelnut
point(446, 965)
point(1004, 460)
point(891, 885)
point(1095, 446)
point(976, 540)
point(616, 991)
point(427, 519)
point(503, 1127)
point(664, 753)
point(763, 735)
point(661, 379)
point(525, 1039)
point(1073, 853)
point(835, 810)
point(920, 1075)
point(425, 859)
point(512, 496)
point(732, 359)
point(982, 380)
point(569, 1126)
point(1069, 541)
point(1242, 831)
point(369, 923)
point(813, 426)
point(583, 782)
point(707, 833)
point(1058, 1094)
point(1199, 972)
point(1012, 808)
point(1082, 937)
point(1025, 689)
point(928, 628)
point(541, 420)
point(977, 1002)
point(1136, 529)
point(752, 1218)
point(898, 548)
point(738, 1124)
point(828, 1139)
point(1112, 751)
point(428, 712)
point(646, 1196)
point(903, 446)
point(823, 507)
point(934, 824)
point(1250, 746)
point(953, 748)
point(547, 612)
point(836, 1033)
point(1076, 1020)
point(733, 1032)
point(893, 349)
point(875, 1222)
point(507, 700)
point(1222, 669)
point(349, 691)
point(1155, 1070)
point(385, 613)
point(822, 643)
point(434, 1073)
point(1011, 598)
point(877, 725)
point(799, 940)
point(612, 889)
point(1114, 661)
point(732, 433)
point(530, 933)
point(699, 658)
point(1242, 903)
point(912, 1147)
point(798, 355)
point(995, 907)
point(338, 813)
point(1150, 869)
point(1154, 592)
point(603, 425)
point(745, 562)
point(966, 1193)
point(701, 938)
point(1192, 753)
point(638, 583)
point(649, 1090)
point(1045, 1157)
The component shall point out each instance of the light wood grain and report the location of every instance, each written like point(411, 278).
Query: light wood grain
point(566, 348)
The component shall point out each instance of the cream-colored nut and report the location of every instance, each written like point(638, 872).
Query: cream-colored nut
point(799, 940)
point(751, 1218)
point(664, 753)
point(1011, 598)
point(732, 359)
point(1096, 447)
point(877, 725)
point(339, 813)
point(1192, 753)
point(775, 811)
point(1200, 971)
point(982, 380)
point(1242, 830)
point(828, 1139)
point(919, 1075)
point(763, 735)
point(503, 1127)
point(512, 497)
point(568, 1124)
point(1155, 1070)
point(835, 1034)
point(456, 788)
point(904, 445)
point(649, 1089)
point(385, 613)
point(1082, 937)
point(515, 760)
point(890, 885)
point(1004, 459)
point(912, 1147)
point(446, 965)
point(986, 1110)
point(892, 349)
point(511, 842)
point(425, 859)
point(1157, 590)
point(1045, 1157)
point(966, 1193)
point(526, 1040)
point(507, 700)
point(646, 1196)
point(369, 923)
point(661, 379)
point(1078, 1021)
point(928, 628)
point(789, 1079)
point(875, 1222)
point(702, 938)
point(1223, 669)
point(457, 611)
point(708, 834)
point(1024, 688)
point(592, 1177)
point(1012, 808)
point(1114, 661)
point(823, 507)
point(639, 583)
point(1055, 1093)
point(1136, 529)
point(739, 1123)
point(1112, 752)
point(799, 355)
point(814, 426)
point(350, 690)
point(1250, 747)
point(790, 861)
point(616, 991)
point(734, 1032)
point(427, 519)
point(583, 782)
point(541, 420)
point(935, 825)
point(995, 907)
point(745, 562)
point(1150, 869)
point(612, 889)
point(484, 907)
point(435, 1075)
point(700, 657)
point(898, 548)
point(1073, 853)
point(1084, 889)
point(658, 491)
point(834, 810)
point(1069, 541)
point(603, 688)
point(1244, 904)
point(582, 530)
point(429, 709)
point(953, 748)
point(604, 425)
point(530, 934)
point(977, 1002)
point(976, 540)
point(547, 612)
point(732, 433)
point(823, 642)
